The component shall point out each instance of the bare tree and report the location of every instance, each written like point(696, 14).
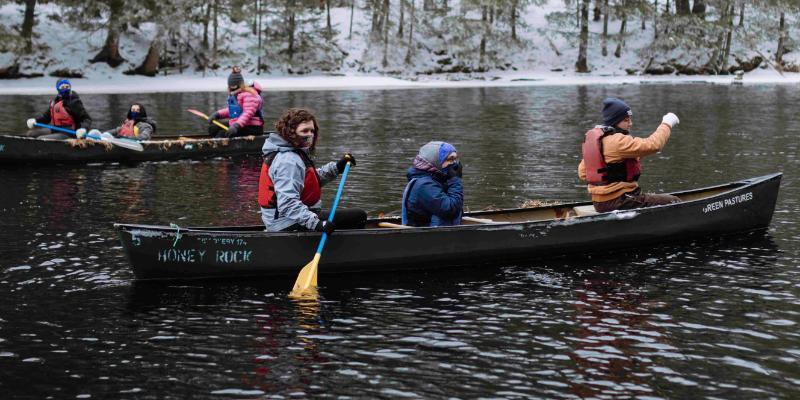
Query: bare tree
point(781, 40)
point(581, 65)
point(621, 40)
point(110, 51)
point(27, 25)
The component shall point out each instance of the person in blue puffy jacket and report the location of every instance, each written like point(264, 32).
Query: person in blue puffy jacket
point(434, 195)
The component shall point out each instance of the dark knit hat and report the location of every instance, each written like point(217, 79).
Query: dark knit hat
point(235, 78)
point(614, 111)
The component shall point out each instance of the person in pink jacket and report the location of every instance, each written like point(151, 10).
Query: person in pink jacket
point(243, 112)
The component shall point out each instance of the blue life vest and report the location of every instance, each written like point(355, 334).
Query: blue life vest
point(234, 109)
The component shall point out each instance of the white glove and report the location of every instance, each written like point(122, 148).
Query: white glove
point(94, 133)
point(80, 133)
point(670, 119)
point(31, 123)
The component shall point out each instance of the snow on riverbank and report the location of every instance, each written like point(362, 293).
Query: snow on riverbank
point(184, 83)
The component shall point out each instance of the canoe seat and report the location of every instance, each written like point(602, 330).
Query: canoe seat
point(583, 211)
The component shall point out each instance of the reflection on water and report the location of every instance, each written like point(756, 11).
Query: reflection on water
point(712, 318)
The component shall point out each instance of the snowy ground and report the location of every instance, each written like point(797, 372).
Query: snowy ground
point(134, 84)
point(68, 48)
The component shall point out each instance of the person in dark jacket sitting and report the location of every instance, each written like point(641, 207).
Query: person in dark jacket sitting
point(66, 111)
point(434, 195)
point(137, 125)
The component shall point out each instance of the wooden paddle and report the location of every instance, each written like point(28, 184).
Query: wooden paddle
point(106, 137)
point(207, 118)
point(306, 283)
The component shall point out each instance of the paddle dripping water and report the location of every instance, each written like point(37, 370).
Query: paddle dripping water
point(306, 283)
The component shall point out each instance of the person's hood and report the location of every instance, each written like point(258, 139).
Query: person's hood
point(276, 143)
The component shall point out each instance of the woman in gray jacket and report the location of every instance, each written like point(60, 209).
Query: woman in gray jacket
point(290, 186)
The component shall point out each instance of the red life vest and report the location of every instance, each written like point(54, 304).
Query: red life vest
point(128, 129)
point(310, 195)
point(600, 173)
point(59, 115)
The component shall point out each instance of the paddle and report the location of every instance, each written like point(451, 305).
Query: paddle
point(307, 278)
point(206, 117)
point(105, 137)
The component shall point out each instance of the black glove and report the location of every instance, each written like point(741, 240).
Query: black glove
point(232, 130)
point(454, 170)
point(325, 226)
point(345, 158)
point(213, 117)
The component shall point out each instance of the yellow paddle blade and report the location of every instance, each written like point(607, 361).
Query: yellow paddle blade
point(306, 283)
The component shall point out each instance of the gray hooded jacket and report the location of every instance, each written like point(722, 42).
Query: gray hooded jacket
point(288, 173)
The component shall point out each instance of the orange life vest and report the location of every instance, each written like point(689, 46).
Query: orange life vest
point(128, 129)
point(59, 115)
point(600, 173)
point(310, 195)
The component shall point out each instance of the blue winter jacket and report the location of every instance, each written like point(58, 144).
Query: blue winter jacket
point(431, 199)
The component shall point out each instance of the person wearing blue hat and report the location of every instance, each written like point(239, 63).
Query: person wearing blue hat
point(611, 161)
point(434, 195)
point(66, 111)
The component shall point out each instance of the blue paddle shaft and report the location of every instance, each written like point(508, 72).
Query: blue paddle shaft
point(333, 208)
point(56, 128)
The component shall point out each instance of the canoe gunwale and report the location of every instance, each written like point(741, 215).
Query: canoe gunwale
point(258, 230)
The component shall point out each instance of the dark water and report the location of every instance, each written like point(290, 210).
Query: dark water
point(706, 319)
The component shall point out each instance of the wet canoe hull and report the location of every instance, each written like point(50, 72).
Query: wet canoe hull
point(157, 252)
point(25, 150)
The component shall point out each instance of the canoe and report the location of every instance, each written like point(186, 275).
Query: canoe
point(20, 149)
point(162, 252)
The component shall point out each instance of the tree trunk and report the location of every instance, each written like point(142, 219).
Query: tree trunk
point(110, 51)
point(699, 9)
point(386, 6)
point(741, 13)
point(216, 25)
point(291, 26)
point(729, 37)
point(149, 66)
point(621, 42)
point(682, 7)
point(781, 40)
point(352, 11)
point(655, 20)
point(484, 18)
point(400, 24)
point(597, 12)
point(604, 41)
point(328, 13)
point(27, 25)
point(514, 5)
point(410, 35)
point(206, 21)
point(259, 12)
point(581, 64)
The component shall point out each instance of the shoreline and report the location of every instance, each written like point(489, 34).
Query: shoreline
point(198, 83)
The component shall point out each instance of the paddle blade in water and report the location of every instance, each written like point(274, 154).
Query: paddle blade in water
point(306, 284)
point(126, 143)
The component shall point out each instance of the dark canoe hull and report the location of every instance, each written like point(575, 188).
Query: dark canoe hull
point(157, 252)
point(25, 150)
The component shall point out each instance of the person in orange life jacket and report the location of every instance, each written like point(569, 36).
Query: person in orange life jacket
point(434, 195)
point(289, 188)
point(66, 111)
point(136, 124)
point(611, 159)
point(244, 109)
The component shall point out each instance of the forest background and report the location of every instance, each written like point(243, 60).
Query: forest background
point(403, 38)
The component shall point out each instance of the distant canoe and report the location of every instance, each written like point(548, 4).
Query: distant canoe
point(161, 252)
point(19, 149)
